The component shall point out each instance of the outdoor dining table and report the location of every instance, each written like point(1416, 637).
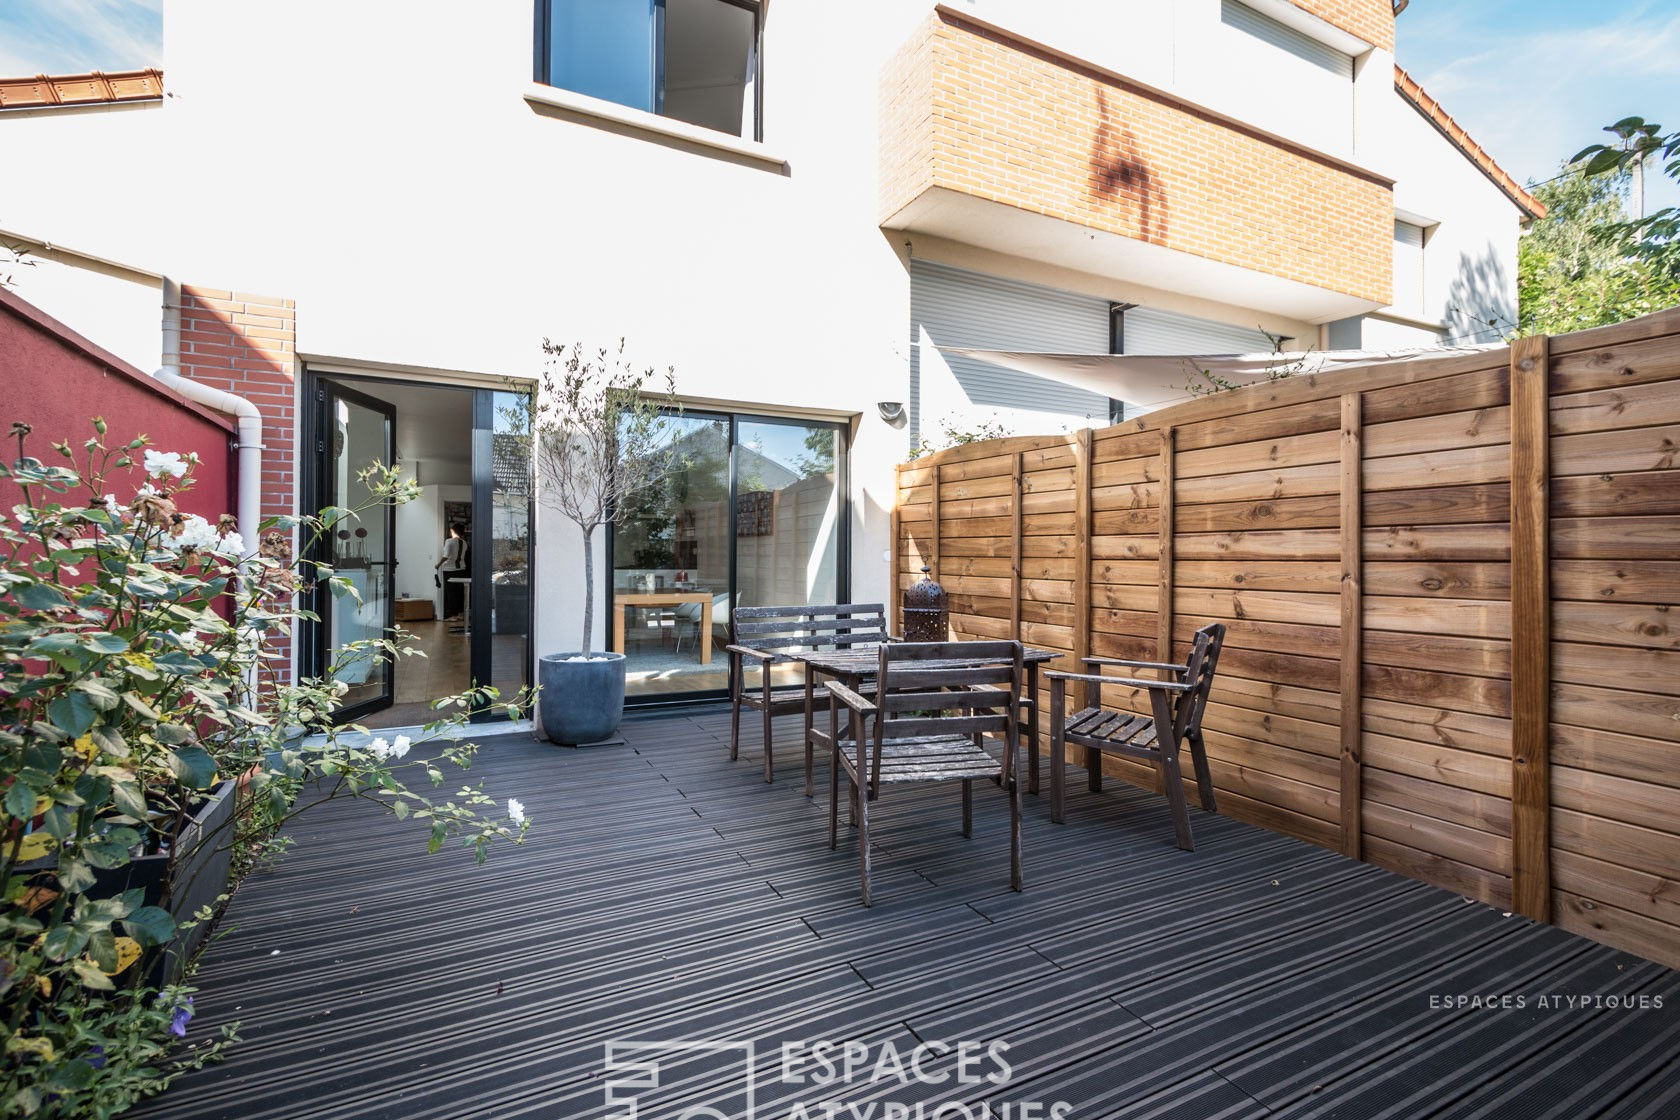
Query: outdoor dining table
point(851, 667)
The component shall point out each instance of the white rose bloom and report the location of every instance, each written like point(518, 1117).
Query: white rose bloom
point(380, 749)
point(196, 533)
point(400, 747)
point(516, 810)
point(232, 544)
point(160, 463)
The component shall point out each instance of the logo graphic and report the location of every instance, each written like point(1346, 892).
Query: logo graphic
point(644, 1076)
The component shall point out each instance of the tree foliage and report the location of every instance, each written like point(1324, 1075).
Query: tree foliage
point(1589, 263)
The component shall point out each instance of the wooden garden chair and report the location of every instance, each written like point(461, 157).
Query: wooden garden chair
point(767, 636)
point(1176, 706)
point(934, 702)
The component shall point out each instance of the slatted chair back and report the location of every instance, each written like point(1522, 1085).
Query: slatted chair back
point(1199, 669)
point(934, 702)
point(766, 636)
point(920, 694)
point(787, 630)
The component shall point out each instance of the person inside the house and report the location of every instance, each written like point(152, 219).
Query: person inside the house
point(452, 565)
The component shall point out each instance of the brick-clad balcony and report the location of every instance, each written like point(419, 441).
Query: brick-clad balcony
point(993, 141)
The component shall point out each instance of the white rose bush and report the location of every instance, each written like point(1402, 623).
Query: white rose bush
point(137, 675)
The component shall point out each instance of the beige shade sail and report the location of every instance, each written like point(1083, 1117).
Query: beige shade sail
point(1149, 381)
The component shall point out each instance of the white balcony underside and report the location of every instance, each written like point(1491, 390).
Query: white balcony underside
point(1002, 228)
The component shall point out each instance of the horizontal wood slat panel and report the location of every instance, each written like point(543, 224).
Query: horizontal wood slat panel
point(1264, 505)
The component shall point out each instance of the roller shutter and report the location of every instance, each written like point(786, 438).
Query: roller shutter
point(1150, 331)
point(1281, 35)
point(954, 307)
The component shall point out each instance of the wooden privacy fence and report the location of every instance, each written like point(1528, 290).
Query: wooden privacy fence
point(1451, 587)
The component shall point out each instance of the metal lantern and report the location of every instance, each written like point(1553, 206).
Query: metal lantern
point(926, 615)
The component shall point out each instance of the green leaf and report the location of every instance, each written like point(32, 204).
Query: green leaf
point(1606, 160)
point(102, 947)
point(110, 741)
point(108, 851)
point(74, 874)
point(400, 808)
point(439, 832)
point(63, 942)
point(128, 799)
point(58, 821)
point(72, 1075)
point(40, 597)
point(49, 644)
point(73, 713)
point(101, 642)
point(141, 708)
point(90, 976)
point(20, 801)
point(193, 766)
point(150, 925)
point(171, 734)
point(103, 696)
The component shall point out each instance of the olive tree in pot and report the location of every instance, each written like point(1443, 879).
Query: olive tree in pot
point(602, 433)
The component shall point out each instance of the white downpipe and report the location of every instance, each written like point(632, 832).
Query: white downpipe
point(248, 505)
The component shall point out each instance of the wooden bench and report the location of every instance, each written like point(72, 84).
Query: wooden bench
point(769, 636)
point(1175, 717)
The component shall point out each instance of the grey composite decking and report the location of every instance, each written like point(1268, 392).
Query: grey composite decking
point(669, 897)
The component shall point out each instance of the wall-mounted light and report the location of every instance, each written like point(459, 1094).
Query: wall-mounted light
point(892, 412)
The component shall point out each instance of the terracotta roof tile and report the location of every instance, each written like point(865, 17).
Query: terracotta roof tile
point(80, 89)
point(1452, 130)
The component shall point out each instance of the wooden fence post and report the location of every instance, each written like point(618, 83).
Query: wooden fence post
point(933, 531)
point(1164, 562)
point(895, 557)
point(1081, 549)
point(1015, 546)
point(1531, 637)
point(1353, 621)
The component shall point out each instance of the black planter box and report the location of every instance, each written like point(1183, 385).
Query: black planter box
point(200, 876)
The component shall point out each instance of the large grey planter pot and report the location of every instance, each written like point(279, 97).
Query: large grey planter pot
point(580, 701)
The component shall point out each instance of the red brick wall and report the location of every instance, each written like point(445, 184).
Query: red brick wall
point(1371, 20)
point(247, 344)
point(972, 110)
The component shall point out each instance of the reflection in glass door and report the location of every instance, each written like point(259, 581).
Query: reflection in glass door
point(787, 513)
point(757, 517)
point(360, 548)
point(669, 611)
point(501, 552)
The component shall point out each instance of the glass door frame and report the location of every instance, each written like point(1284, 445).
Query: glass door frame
point(319, 483)
point(843, 546)
point(481, 637)
point(313, 638)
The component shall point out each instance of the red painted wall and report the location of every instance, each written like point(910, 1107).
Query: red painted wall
point(56, 381)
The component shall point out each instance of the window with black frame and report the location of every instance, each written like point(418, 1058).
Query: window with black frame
point(691, 60)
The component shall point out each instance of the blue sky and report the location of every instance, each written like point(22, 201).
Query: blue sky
point(1532, 80)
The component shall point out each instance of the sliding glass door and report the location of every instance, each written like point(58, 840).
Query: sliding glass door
point(756, 517)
